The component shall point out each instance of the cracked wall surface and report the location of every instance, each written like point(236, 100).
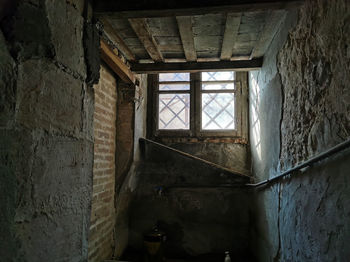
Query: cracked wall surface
point(314, 65)
point(46, 117)
point(299, 107)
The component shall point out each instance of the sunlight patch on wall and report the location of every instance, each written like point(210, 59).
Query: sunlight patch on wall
point(255, 119)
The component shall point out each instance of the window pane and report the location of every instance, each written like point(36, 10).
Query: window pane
point(165, 87)
point(217, 76)
point(218, 86)
point(174, 77)
point(174, 111)
point(218, 111)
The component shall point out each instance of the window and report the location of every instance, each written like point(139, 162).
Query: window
point(198, 104)
point(174, 101)
point(217, 101)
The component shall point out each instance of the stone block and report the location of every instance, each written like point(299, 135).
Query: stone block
point(7, 84)
point(54, 198)
point(28, 39)
point(66, 26)
point(49, 98)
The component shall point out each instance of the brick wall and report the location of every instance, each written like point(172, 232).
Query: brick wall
point(125, 132)
point(101, 243)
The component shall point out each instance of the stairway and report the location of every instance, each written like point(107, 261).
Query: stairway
point(203, 208)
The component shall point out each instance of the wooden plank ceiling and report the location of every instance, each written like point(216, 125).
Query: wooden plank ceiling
point(157, 35)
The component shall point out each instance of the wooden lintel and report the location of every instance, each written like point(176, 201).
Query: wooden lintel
point(272, 23)
point(243, 65)
point(117, 39)
point(233, 22)
point(142, 31)
point(146, 9)
point(186, 34)
point(116, 64)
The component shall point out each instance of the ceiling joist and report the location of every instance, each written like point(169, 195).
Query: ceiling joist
point(156, 8)
point(116, 64)
point(153, 68)
point(186, 34)
point(142, 31)
point(231, 31)
point(110, 31)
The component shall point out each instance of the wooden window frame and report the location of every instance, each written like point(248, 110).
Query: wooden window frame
point(241, 109)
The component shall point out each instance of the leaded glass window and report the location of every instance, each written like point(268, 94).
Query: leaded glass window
point(199, 104)
point(174, 101)
point(218, 101)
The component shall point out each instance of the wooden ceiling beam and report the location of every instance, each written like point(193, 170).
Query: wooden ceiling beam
point(233, 22)
point(160, 8)
point(185, 28)
point(116, 64)
point(142, 31)
point(243, 65)
point(110, 31)
point(272, 23)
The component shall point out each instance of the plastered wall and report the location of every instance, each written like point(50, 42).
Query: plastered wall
point(299, 107)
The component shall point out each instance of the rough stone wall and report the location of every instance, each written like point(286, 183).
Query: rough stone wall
point(299, 106)
point(46, 139)
point(101, 239)
point(314, 66)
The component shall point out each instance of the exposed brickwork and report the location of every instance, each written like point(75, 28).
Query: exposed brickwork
point(125, 133)
point(101, 242)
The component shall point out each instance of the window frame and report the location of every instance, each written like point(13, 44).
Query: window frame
point(195, 130)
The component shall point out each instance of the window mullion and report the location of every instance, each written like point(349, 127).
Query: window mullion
point(173, 82)
point(197, 103)
point(220, 82)
point(173, 91)
point(219, 91)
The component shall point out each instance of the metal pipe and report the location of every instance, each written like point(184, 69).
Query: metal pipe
point(327, 153)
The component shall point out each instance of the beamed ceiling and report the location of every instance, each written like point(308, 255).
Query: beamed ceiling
point(157, 35)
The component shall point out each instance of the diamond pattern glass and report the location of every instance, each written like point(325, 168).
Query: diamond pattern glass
point(174, 111)
point(217, 76)
point(213, 86)
point(218, 111)
point(172, 87)
point(174, 77)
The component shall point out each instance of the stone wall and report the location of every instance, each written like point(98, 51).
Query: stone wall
point(46, 137)
point(314, 65)
point(101, 238)
point(299, 107)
